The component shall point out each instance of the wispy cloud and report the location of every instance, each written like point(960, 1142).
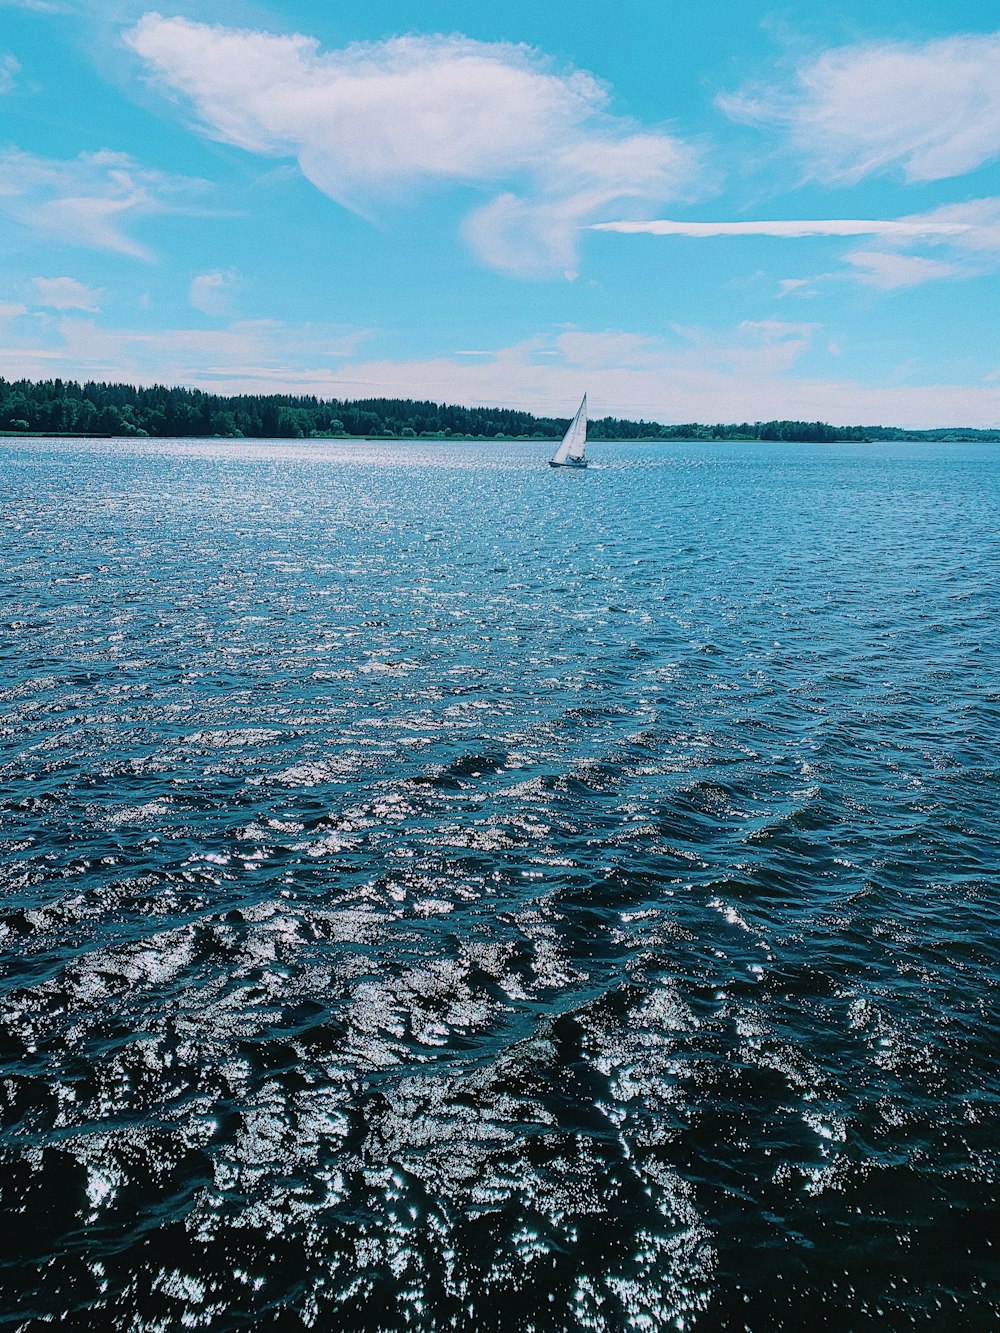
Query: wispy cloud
point(10, 67)
point(11, 310)
point(373, 122)
point(264, 354)
point(969, 233)
point(980, 220)
point(908, 228)
point(931, 109)
point(888, 271)
point(89, 200)
point(67, 294)
point(37, 6)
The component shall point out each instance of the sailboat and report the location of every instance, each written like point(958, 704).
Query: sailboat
point(570, 452)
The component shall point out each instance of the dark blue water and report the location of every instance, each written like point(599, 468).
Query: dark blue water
point(440, 892)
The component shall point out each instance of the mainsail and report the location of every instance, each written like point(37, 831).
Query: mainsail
point(570, 452)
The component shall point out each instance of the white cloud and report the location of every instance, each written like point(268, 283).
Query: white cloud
point(11, 310)
point(589, 351)
point(67, 294)
point(88, 200)
point(902, 229)
point(980, 220)
point(755, 347)
point(887, 271)
point(932, 109)
point(374, 121)
point(801, 287)
point(211, 293)
point(38, 6)
point(971, 249)
point(969, 232)
point(9, 69)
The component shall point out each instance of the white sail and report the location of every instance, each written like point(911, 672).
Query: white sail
point(574, 441)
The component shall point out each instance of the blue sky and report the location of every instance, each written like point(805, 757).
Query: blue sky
point(714, 212)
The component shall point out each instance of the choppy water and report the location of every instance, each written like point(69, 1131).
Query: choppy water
point(441, 892)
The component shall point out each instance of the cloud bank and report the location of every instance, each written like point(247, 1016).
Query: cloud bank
point(372, 122)
point(750, 372)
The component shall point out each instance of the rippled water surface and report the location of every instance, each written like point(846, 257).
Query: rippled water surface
point(442, 892)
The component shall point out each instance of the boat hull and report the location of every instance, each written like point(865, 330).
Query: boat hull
point(568, 463)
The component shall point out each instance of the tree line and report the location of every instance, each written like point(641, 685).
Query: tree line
point(64, 407)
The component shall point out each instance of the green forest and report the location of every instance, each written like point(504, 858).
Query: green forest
point(63, 407)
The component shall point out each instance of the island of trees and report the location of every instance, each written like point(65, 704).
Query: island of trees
point(63, 407)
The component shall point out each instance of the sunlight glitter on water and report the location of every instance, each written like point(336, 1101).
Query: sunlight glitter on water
point(436, 895)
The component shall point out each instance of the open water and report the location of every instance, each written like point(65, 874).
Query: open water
point(443, 892)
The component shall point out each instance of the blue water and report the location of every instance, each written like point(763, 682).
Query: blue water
point(442, 892)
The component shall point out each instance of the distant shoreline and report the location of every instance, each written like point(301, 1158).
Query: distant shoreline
point(913, 437)
point(64, 408)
